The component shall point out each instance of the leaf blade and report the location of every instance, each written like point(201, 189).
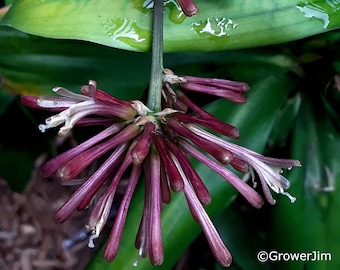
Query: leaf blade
point(219, 25)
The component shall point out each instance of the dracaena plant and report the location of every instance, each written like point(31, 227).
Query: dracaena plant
point(154, 139)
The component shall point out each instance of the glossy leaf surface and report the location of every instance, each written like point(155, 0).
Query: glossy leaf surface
point(219, 25)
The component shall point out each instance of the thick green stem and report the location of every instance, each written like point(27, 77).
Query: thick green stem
point(156, 79)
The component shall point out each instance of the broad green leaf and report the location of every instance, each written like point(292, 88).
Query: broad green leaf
point(179, 228)
point(219, 25)
point(311, 224)
point(34, 65)
point(244, 239)
point(285, 122)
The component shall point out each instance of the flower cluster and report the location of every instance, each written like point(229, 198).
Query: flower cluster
point(158, 144)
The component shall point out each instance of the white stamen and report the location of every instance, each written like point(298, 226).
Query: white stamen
point(135, 263)
point(42, 128)
point(69, 117)
point(54, 121)
point(140, 252)
point(250, 174)
point(95, 234)
point(291, 198)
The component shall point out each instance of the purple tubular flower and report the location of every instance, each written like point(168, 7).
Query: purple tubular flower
point(213, 149)
point(91, 186)
point(156, 246)
point(188, 7)
point(94, 121)
point(143, 234)
point(195, 180)
point(221, 84)
point(52, 165)
point(98, 220)
point(233, 91)
point(232, 95)
point(165, 189)
point(73, 167)
point(182, 97)
point(78, 107)
point(219, 250)
point(101, 96)
point(149, 238)
point(31, 102)
point(216, 125)
point(248, 193)
point(141, 149)
point(99, 216)
point(268, 169)
point(221, 253)
point(175, 178)
point(239, 165)
point(118, 226)
point(54, 103)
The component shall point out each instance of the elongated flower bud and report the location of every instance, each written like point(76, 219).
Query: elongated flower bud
point(216, 125)
point(195, 180)
point(216, 244)
point(175, 178)
point(188, 7)
point(118, 226)
point(155, 244)
point(216, 151)
point(141, 149)
point(234, 96)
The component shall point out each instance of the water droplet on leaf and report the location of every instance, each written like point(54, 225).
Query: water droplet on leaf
point(214, 27)
point(127, 31)
point(323, 11)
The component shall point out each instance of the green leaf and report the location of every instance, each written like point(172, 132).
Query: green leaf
point(219, 25)
point(179, 228)
point(5, 100)
point(34, 65)
point(312, 222)
point(285, 122)
point(244, 241)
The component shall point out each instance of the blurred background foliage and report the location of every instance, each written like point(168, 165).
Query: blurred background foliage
point(287, 51)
